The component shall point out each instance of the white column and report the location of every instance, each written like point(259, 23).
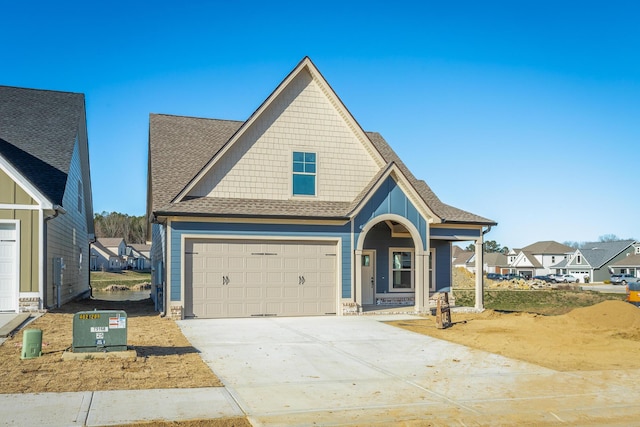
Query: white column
point(422, 289)
point(357, 286)
point(479, 275)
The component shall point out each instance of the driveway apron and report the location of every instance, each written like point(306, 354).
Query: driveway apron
point(360, 371)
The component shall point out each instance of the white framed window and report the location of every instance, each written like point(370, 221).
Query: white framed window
point(401, 269)
point(579, 259)
point(304, 173)
point(637, 249)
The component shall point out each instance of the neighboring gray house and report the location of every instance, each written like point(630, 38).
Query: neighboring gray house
point(594, 259)
point(538, 258)
point(46, 208)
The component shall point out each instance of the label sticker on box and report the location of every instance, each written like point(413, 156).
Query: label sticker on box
point(99, 342)
point(99, 329)
point(117, 322)
point(99, 335)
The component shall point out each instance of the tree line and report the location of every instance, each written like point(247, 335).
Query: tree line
point(133, 229)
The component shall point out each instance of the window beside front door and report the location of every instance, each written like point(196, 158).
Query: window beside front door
point(401, 270)
point(304, 174)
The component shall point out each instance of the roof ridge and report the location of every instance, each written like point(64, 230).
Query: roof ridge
point(196, 117)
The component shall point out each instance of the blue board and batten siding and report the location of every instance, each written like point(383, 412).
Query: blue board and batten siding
point(295, 231)
point(390, 199)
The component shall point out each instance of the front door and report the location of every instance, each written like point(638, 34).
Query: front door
point(368, 277)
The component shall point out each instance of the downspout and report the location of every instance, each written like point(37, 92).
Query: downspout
point(57, 210)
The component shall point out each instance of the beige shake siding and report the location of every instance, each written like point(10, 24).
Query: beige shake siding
point(301, 118)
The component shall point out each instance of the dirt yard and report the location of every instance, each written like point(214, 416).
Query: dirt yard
point(605, 336)
point(165, 359)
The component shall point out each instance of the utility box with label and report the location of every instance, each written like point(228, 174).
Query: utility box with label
point(99, 331)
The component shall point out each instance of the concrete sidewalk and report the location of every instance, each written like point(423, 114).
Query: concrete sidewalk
point(104, 408)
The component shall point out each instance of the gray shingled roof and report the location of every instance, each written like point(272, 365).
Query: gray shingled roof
point(181, 146)
point(598, 254)
point(37, 135)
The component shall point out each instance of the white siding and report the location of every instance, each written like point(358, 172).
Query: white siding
point(300, 119)
point(67, 237)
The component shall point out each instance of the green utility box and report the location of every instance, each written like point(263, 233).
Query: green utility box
point(99, 331)
point(31, 344)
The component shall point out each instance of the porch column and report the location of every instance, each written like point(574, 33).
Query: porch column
point(357, 286)
point(422, 282)
point(479, 274)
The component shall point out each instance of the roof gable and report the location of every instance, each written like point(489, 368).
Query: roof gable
point(303, 113)
point(38, 132)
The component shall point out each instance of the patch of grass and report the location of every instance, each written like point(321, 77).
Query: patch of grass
point(101, 280)
point(551, 302)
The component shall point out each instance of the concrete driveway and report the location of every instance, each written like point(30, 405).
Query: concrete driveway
point(357, 370)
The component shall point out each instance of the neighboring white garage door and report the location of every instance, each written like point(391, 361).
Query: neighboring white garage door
point(231, 278)
point(8, 284)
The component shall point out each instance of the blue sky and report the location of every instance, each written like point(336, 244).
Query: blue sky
point(525, 112)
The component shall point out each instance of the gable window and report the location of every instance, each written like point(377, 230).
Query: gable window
point(579, 259)
point(304, 174)
point(553, 259)
point(401, 270)
point(637, 249)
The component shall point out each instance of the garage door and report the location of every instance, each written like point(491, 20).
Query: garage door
point(230, 278)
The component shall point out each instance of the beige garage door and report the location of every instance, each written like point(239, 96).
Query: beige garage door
point(230, 278)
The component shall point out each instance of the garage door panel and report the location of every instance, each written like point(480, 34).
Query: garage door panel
point(273, 278)
point(248, 278)
point(274, 262)
point(213, 293)
point(254, 292)
point(273, 292)
point(290, 292)
point(310, 292)
point(254, 277)
point(254, 262)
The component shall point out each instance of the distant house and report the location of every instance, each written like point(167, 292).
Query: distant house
point(138, 256)
point(628, 265)
point(594, 260)
point(46, 209)
point(460, 257)
point(538, 258)
point(117, 245)
point(104, 258)
point(495, 262)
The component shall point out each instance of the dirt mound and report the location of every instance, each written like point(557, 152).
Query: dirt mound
point(607, 315)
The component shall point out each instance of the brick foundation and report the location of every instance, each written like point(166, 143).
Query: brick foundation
point(176, 312)
point(29, 305)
